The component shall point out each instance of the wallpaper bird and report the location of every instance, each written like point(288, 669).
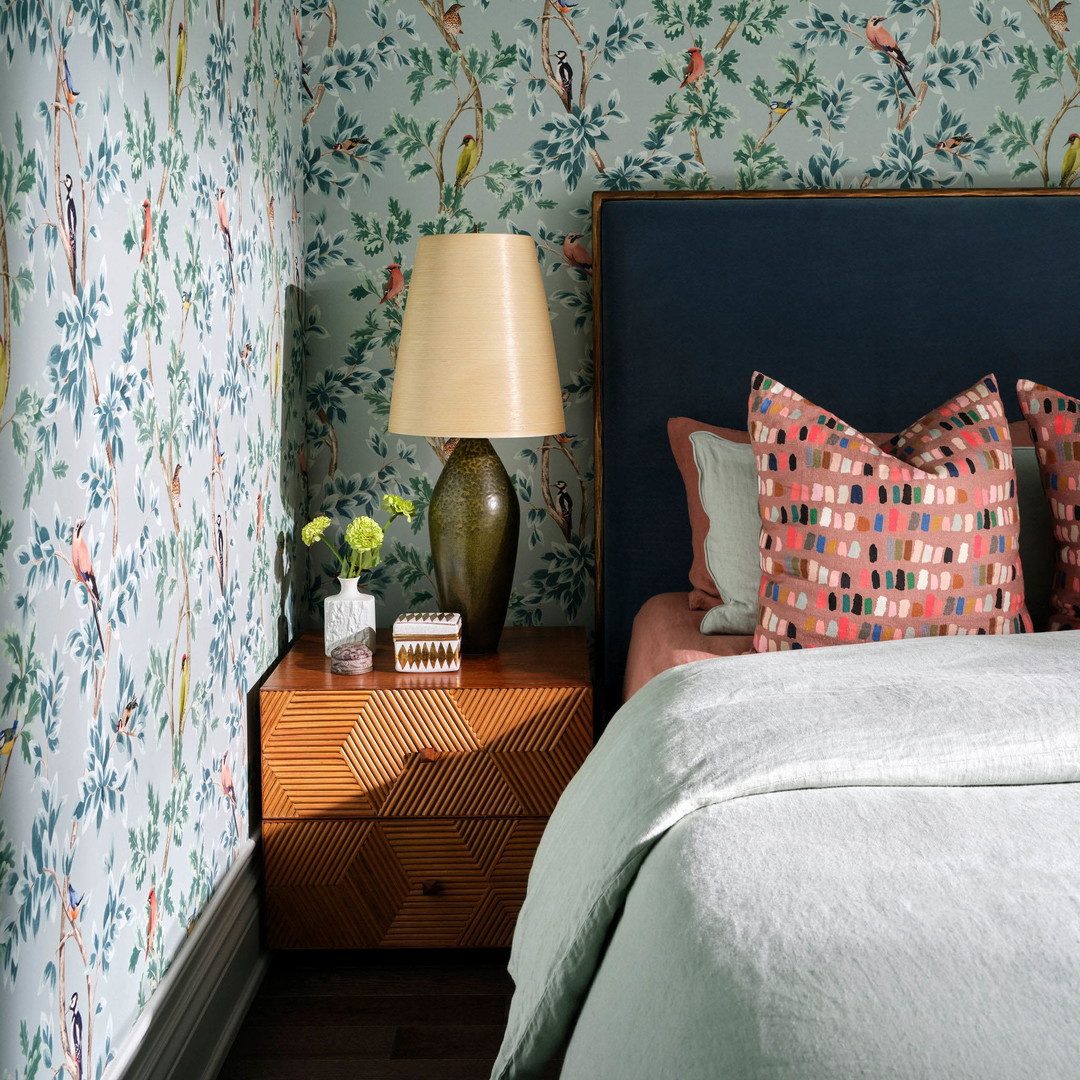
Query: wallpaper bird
point(223, 222)
point(566, 76)
point(69, 90)
point(76, 1035)
point(880, 39)
point(84, 572)
point(781, 107)
point(181, 55)
point(954, 143)
point(229, 789)
point(574, 253)
point(7, 739)
point(695, 67)
point(1059, 18)
point(74, 901)
point(565, 7)
point(1071, 160)
point(185, 678)
point(123, 724)
point(147, 231)
point(395, 282)
point(219, 554)
point(72, 225)
point(174, 488)
point(151, 921)
point(467, 159)
point(565, 501)
point(452, 19)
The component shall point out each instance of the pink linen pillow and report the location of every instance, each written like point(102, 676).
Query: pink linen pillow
point(1054, 419)
point(865, 544)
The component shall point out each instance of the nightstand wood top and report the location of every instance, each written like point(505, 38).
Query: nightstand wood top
point(528, 656)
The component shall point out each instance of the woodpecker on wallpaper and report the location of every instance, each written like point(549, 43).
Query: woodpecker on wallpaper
point(147, 497)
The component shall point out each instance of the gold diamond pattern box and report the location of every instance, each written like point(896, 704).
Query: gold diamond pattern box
point(427, 641)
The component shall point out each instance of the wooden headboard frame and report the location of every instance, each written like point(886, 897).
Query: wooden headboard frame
point(876, 304)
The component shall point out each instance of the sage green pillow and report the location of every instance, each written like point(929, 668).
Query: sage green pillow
point(727, 484)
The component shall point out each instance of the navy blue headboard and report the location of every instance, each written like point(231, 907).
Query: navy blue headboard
point(877, 305)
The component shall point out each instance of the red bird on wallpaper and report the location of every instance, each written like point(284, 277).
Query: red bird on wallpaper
point(84, 571)
point(151, 925)
point(574, 253)
point(695, 67)
point(223, 221)
point(147, 230)
point(395, 282)
point(229, 789)
point(881, 40)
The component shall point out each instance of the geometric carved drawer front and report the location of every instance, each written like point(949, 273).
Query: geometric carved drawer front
point(403, 810)
point(428, 883)
point(410, 753)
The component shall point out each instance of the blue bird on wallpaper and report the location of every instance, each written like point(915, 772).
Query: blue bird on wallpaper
point(69, 89)
point(781, 107)
point(565, 7)
point(74, 901)
point(84, 573)
point(76, 1034)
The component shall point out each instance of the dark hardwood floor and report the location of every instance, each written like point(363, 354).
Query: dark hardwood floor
point(375, 1015)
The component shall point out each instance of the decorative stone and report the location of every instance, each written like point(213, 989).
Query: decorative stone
point(352, 658)
point(427, 641)
point(349, 615)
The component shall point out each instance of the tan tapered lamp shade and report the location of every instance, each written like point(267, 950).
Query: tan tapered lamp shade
point(476, 358)
point(476, 362)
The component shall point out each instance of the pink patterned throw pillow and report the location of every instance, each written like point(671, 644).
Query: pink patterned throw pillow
point(916, 538)
point(1054, 419)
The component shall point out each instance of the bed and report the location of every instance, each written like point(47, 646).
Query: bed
point(851, 861)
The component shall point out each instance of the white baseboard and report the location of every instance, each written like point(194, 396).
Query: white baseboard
point(188, 1026)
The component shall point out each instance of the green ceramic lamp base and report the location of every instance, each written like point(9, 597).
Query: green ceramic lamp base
point(473, 520)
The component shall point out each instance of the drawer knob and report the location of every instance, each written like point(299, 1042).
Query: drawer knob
point(424, 756)
point(430, 887)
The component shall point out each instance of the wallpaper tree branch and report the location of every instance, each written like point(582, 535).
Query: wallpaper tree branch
point(208, 212)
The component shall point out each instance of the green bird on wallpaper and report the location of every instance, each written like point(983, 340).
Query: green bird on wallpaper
point(1071, 161)
point(181, 54)
point(467, 159)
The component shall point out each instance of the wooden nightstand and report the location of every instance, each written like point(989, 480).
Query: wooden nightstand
point(404, 810)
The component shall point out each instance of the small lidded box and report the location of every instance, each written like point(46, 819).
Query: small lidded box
point(427, 641)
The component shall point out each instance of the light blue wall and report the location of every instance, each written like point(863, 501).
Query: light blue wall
point(116, 382)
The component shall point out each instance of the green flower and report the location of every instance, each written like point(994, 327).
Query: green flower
point(396, 506)
point(364, 534)
point(313, 531)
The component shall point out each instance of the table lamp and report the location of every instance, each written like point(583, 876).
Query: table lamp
point(476, 361)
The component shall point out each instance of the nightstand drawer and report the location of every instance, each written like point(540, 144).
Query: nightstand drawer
point(413, 883)
point(418, 752)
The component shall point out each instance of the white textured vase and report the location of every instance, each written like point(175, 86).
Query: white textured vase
point(349, 615)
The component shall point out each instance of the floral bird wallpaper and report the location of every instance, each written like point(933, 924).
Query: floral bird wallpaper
point(150, 419)
point(208, 211)
point(433, 117)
